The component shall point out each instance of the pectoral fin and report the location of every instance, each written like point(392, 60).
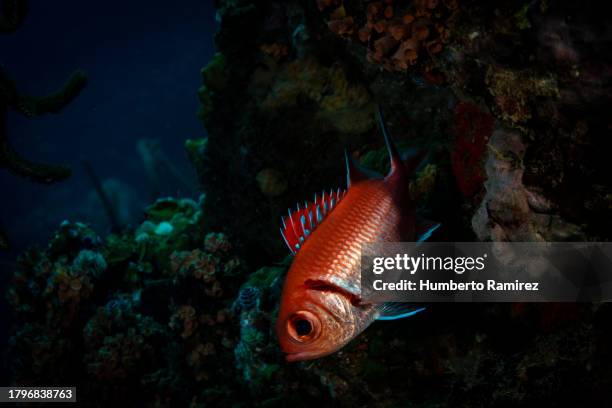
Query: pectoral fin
point(424, 229)
point(395, 310)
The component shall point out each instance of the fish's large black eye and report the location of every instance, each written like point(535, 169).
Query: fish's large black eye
point(302, 327)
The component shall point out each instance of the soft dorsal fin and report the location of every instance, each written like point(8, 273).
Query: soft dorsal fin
point(299, 224)
point(397, 166)
point(354, 173)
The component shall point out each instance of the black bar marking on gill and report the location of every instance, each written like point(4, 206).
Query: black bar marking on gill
point(324, 286)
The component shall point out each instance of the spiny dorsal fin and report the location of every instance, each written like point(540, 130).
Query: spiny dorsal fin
point(299, 224)
point(396, 160)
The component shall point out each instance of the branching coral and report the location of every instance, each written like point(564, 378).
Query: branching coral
point(12, 14)
point(30, 106)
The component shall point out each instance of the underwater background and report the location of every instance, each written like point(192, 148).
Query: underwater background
point(143, 60)
point(148, 150)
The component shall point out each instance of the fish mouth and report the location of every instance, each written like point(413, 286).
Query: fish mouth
point(301, 356)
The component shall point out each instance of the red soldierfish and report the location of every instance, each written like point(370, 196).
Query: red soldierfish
point(320, 308)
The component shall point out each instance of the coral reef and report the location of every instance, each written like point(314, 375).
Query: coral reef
point(271, 182)
point(510, 100)
point(510, 211)
point(499, 95)
point(255, 358)
point(214, 81)
point(147, 311)
point(101, 315)
point(398, 35)
point(515, 92)
point(120, 343)
point(196, 150)
point(343, 105)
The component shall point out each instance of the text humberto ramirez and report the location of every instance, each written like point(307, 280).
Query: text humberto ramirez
point(458, 265)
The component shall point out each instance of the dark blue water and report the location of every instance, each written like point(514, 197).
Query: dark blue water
point(143, 61)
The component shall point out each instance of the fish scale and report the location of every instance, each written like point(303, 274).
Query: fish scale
point(363, 222)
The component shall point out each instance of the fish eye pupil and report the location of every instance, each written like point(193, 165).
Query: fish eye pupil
point(302, 327)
